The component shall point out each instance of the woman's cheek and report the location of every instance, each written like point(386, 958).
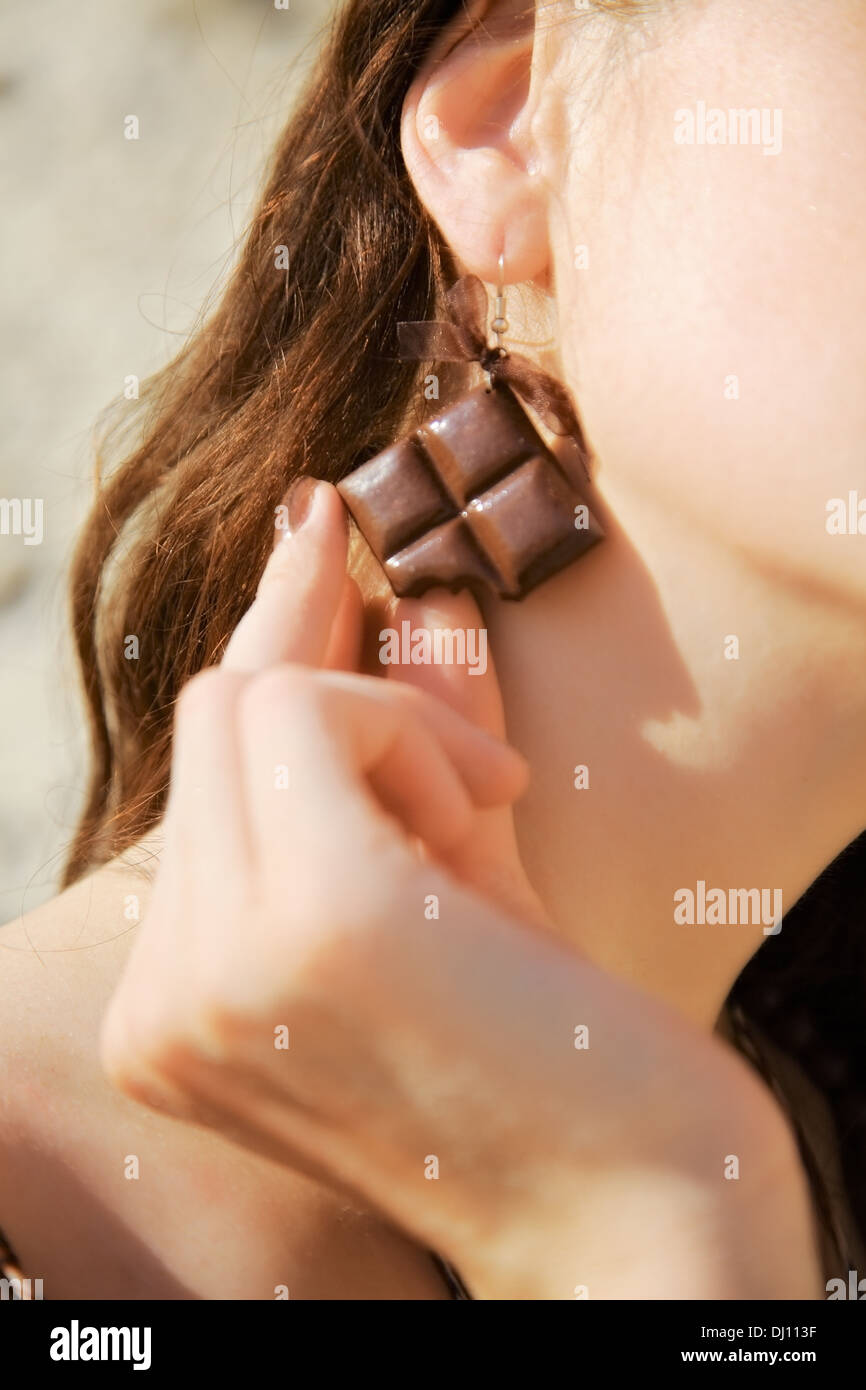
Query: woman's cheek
point(715, 336)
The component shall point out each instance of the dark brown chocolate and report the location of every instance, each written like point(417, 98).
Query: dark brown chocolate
point(472, 498)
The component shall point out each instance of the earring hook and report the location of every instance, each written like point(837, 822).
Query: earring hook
point(500, 322)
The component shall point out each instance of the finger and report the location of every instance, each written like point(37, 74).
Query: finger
point(492, 772)
point(314, 748)
point(487, 857)
point(205, 823)
point(464, 675)
point(300, 589)
point(205, 863)
point(488, 860)
point(344, 645)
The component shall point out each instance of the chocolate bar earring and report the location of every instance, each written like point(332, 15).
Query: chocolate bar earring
point(474, 498)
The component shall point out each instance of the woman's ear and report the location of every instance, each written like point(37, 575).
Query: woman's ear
point(467, 142)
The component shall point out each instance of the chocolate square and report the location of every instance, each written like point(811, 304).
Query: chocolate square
point(447, 555)
point(417, 501)
point(473, 498)
point(525, 525)
point(479, 439)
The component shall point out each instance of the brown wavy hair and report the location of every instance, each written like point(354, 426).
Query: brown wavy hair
point(294, 372)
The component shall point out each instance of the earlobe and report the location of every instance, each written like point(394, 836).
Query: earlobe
point(466, 143)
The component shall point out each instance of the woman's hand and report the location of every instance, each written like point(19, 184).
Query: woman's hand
point(344, 967)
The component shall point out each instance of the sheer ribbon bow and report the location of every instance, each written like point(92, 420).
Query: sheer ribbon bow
point(464, 339)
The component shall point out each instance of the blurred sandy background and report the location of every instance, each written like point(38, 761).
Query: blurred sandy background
point(110, 247)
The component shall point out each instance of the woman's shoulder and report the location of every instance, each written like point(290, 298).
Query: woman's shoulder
point(71, 949)
point(58, 966)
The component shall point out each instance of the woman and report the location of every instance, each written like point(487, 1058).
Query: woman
point(371, 984)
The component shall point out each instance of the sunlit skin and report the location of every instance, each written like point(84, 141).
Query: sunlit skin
point(702, 262)
point(304, 906)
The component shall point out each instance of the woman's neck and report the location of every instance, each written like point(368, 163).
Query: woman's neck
point(721, 719)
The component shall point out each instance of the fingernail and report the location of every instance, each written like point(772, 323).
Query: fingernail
point(295, 508)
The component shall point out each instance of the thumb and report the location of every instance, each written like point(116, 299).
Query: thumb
point(453, 662)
